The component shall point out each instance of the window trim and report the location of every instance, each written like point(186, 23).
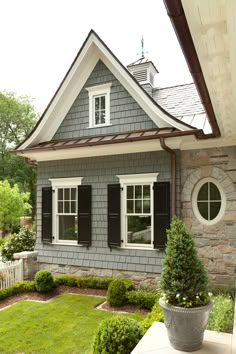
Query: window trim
point(195, 205)
point(72, 182)
point(136, 179)
point(95, 91)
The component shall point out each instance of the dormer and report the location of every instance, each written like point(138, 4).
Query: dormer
point(144, 71)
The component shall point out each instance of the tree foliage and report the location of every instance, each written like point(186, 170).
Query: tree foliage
point(17, 118)
point(13, 205)
point(184, 280)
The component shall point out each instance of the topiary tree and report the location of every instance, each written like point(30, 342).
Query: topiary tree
point(184, 280)
point(117, 335)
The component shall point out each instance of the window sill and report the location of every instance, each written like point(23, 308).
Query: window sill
point(138, 248)
point(66, 244)
point(100, 126)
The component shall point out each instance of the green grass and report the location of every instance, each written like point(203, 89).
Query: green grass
point(65, 325)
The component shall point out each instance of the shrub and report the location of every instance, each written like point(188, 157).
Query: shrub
point(24, 240)
point(184, 280)
point(68, 280)
point(116, 295)
point(155, 315)
point(117, 335)
point(94, 282)
point(17, 288)
point(44, 281)
point(143, 299)
point(221, 316)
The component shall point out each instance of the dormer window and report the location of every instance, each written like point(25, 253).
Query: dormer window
point(99, 105)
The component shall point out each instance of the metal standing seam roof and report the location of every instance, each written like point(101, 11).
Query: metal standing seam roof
point(109, 139)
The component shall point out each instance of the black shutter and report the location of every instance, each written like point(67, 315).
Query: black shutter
point(114, 228)
point(84, 215)
point(47, 214)
point(161, 213)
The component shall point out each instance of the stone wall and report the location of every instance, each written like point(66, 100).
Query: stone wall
point(144, 278)
point(216, 243)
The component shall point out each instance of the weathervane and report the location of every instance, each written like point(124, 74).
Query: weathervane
point(142, 48)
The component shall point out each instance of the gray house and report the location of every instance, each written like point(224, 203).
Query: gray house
point(116, 158)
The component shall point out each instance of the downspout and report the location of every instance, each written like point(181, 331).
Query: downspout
point(173, 174)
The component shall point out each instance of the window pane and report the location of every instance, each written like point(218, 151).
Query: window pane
point(67, 229)
point(130, 192)
point(73, 193)
point(214, 209)
point(73, 207)
point(103, 116)
point(130, 206)
point(146, 206)
point(146, 192)
point(96, 103)
point(67, 194)
point(214, 192)
point(203, 209)
point(203, 192)
point(138, 206)
point(103, 102)
point(60, 194)
point(60, 207)
point(139, 229)
point(138, 192)
point(66, 207)
point(97, 117)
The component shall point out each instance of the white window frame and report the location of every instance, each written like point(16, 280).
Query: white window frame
point(98, 91)
point(57, 183)
point(136, 179)
point(195, 205)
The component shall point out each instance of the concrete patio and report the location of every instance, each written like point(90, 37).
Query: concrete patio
point(155, 341)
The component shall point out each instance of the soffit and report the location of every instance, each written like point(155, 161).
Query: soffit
point(212, 25)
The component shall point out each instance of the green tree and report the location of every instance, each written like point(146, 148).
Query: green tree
point(17, 118)
point(13, 205)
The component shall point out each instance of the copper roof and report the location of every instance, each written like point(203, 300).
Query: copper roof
point(110, 139)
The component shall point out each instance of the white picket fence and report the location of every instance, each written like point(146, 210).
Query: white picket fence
point(10, 272)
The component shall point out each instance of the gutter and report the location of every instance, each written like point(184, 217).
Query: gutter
point(177, 16)
point(173, 174)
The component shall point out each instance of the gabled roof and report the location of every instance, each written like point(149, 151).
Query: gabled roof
point(92, 50)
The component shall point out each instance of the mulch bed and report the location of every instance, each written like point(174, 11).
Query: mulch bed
point(72, 290)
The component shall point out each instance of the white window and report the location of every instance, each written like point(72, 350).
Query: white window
point(99, 105)
point(208, 201)
point(137, 210)
point(65, 204)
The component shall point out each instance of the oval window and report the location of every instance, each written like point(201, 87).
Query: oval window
point(208, 201)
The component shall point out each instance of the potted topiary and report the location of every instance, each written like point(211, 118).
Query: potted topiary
point(184, 287)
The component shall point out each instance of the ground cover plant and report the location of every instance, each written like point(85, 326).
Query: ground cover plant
point(67, 324)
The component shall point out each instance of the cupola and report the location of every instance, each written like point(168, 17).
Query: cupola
point(143, 70)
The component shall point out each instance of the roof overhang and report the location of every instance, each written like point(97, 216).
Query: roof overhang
point(206, 32)
point(93, 50)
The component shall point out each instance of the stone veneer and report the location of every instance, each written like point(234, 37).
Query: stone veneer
point(216, 243)
point(144, 278)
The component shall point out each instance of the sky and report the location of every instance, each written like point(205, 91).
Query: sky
point(40, 39)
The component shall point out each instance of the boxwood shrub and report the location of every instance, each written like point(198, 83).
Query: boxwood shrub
point(155, 315)
point(117, 292)
point(17, 288)
point(44, 281)
point(117, 335)
point(142, 298)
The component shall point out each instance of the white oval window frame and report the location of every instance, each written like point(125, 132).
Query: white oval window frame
point(195, 206)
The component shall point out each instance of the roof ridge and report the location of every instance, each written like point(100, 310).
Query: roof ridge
point(163, 88)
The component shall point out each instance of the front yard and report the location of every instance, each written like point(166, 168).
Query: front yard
point(66, 325)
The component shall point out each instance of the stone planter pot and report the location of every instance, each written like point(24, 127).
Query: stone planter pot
point(185, 326)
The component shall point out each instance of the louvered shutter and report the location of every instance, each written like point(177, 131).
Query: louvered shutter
point(84, 215)
point(47, 214)
point(114, 228)
point(161, 213)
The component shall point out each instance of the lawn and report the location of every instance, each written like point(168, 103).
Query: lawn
point(67, 325)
